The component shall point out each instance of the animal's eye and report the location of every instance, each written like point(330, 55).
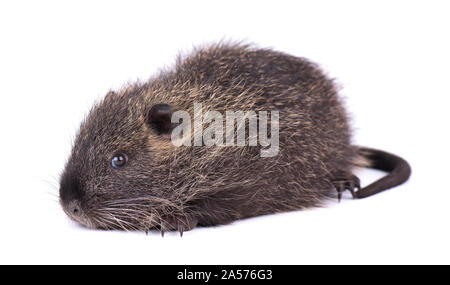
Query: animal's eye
point(119, 160)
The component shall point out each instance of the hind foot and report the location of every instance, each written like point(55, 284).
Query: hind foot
point(179, 223)
point(346, 182)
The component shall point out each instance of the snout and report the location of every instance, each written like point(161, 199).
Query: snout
point(70, 194)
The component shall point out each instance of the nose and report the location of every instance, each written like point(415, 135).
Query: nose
point(70, 194)
point(74, 208)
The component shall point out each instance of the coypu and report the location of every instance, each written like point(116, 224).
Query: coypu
point(124, 172)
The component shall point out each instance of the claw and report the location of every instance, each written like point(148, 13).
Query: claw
point(346, 183)
point(180, 229)
point(351, 188)
point(177, 223)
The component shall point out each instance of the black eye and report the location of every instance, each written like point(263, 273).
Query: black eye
point(119, 160)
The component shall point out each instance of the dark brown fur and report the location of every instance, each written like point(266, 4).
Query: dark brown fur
point(178, 187)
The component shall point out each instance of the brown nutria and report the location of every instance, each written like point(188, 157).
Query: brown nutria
point(124, 172)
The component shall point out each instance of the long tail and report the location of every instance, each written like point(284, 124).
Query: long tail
point(398, 171)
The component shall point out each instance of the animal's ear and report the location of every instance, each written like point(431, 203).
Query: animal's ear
point(159, 118)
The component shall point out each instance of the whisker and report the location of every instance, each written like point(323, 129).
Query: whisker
point(119, 222)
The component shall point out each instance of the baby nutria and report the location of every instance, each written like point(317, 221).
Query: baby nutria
point(126, 172)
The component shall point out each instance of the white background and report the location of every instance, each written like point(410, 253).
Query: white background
point(391, 58)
